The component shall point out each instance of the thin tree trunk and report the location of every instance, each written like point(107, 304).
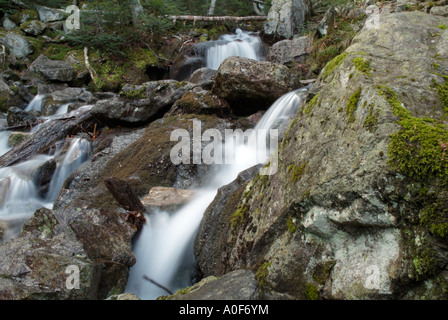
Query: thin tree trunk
point(211, 10)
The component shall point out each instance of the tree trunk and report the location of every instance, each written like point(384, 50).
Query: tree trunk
point(211, 10)
point(136, 9)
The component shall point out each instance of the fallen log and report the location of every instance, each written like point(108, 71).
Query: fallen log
point(216, 18)
point(48, 135)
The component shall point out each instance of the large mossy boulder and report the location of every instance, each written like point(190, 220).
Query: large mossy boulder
point(358, 207)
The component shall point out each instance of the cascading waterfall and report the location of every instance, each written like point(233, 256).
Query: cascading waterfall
point(19, 196)
point(164, 249)
point(241, 44)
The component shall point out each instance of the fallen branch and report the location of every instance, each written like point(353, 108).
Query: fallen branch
point(21, 126)
point(158, 284)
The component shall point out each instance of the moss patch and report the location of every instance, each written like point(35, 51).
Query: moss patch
point(333, 64)
point(362, 65)
point(262, 274)
point(442, 92)
point(296, 172)
point(311, 291)
point(352, 105)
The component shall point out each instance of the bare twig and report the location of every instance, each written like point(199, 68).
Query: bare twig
point(158, 284)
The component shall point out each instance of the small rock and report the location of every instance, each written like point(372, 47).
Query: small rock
point(16, 138)
point(167, 199)
point(9, 24)
point(49, 14)
point(34, 27)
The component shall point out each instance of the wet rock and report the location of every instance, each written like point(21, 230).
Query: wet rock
point(18, 46)
point(140, 104)
point(38, 263)
point(166, 199)
point(53, 70)
point(211, 243)
point(250, 86)
point(42, 175)
point(17, 117)
point(124, 296)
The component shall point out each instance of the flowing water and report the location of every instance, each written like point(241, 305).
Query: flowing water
point(19, 195)
point(164, 249)
point(241, 44)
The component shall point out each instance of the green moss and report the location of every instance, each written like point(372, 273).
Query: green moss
point(371, 120)
point(239, 215)
point(417, 151)
point(134, 94)
point(352, 105)
point(442, 92)
point(435, 217)
point(296, 172)
point(333, 64)
point(56, 51)
point(311, 104)
point(362, 65)
point(311, 291)
point(262, 274)
point(397, 108)
point(291, 225)
point(442, 26)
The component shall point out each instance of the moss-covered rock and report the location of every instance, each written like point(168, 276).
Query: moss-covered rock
point(368, 210)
